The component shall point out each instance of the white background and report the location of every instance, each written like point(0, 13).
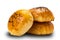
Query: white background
point(7, 7)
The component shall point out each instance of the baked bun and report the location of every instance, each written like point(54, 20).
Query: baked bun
point(44, 28)
point(20, 22)
point(42, 14)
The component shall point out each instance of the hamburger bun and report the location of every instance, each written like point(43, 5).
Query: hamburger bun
point(20, 22)
point(42, 14)
point(44, 28)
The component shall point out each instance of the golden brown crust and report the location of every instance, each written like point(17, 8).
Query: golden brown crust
point(41, 28)
point(20, 22)
point(42, 14)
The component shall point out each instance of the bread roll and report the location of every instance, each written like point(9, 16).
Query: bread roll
point(44, 28)
point(42, 14)
point(20, 22)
